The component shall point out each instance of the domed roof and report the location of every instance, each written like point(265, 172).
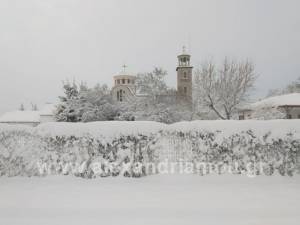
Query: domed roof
point(124, 73)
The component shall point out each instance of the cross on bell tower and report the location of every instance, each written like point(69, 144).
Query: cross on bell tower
point(184, 76)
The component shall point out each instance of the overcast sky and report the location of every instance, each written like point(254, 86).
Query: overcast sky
point(43, 42)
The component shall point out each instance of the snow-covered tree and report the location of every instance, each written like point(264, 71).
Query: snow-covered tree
point(152, 83)
point(69, 108)
point(224, 89)
point(85, 104)
point(294, 87)
point(22, 108)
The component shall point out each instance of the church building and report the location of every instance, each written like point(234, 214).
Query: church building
point(124, 88)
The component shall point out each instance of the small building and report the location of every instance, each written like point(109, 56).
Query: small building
point(29, 117)
point(277, 107)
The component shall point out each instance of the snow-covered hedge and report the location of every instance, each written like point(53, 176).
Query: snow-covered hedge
point(73, 148)
point(258, 147)
point(78, 148)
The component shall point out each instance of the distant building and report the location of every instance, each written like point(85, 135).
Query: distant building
point(30, 118)
point(278, 107)
point(124, 88)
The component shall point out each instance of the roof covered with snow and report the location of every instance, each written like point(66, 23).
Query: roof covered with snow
point(28, 116)
point(21, 117)
point(277, 101)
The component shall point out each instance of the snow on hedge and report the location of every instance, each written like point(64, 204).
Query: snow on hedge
point(116, 145)
point(103, 129)
point(114, 129)
point(226, 128)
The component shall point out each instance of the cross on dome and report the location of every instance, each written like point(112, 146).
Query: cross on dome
point(124, 68)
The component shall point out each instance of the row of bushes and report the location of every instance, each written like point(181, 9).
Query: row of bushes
point(26, 153)
point(238, 153)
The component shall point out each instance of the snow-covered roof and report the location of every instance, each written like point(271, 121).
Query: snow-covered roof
point(20, 117)
point(48, 110)
point(28, 116)
point(277, 101)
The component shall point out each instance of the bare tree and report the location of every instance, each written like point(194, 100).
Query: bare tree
point(152, 83)
point(223, 90)
point(34, 107)
point(22, 108)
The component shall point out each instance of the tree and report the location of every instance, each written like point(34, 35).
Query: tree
point(22, 108)
point(152, 84)
point(294, 87)
point(156, 102)
point(85, 104)
point(224, 89)
point(34, 107)
point(69, 108)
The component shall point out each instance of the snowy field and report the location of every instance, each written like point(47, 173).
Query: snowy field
point(161, 199)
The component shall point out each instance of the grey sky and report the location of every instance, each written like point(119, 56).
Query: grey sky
point(42, 42)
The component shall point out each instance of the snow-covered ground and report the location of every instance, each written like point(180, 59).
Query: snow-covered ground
point(173, 199)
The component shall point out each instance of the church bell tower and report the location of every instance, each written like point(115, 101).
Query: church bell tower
point(184, 77)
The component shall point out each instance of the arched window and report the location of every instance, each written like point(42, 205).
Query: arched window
point(184, 75)
point(185, 90)
point(120, 95)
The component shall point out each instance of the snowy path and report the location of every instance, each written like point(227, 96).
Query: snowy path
point(218, 200)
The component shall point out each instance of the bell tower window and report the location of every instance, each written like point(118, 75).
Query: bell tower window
point(184, 75)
